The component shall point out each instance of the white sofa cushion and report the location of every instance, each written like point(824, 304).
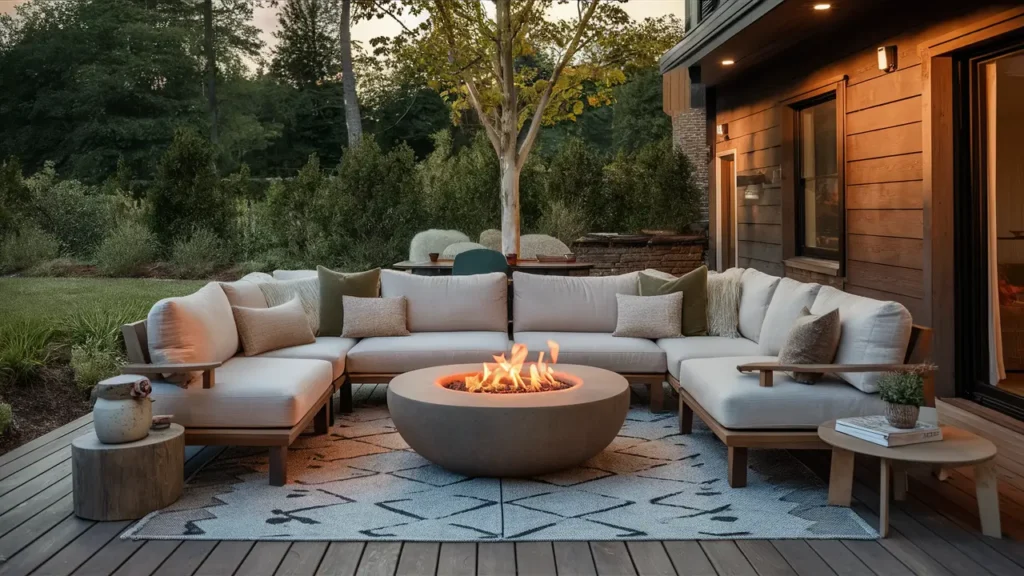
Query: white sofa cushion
point(244, 293)
point(756, 290)
point(680, 349)
point(873, 332)
point(568, 303)
point(293, 274)
point(248, 393)
point(615, 353)
point(450, 303)
point(327, 348)
point(788, 301)
point(196, 328)
point(397, 354)
point(738, 401)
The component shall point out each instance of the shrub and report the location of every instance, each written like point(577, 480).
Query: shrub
point(461, 189)
point(199, 256)
point(126, 250)
point(74, 213)
point(24, 349)
point(58, 267)
point(902, 388)
point(255, 229)
point(295, 213)
point(653, 188)
point(91, 364)
point(575, 184)
point(26, 248)
point(6, 417)
point(565, 222)
point(100, 327)
point(15, 197)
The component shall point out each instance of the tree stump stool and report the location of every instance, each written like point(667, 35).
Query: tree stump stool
point(127, 481)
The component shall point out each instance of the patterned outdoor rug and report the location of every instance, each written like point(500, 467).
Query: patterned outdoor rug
point(362, 482)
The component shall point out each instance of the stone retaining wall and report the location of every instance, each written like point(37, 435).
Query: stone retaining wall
point(620, 254)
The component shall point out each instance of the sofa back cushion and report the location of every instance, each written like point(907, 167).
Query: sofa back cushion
point(788, 301)
point(450, 303)
point(756, 291)
point(293, 274)
point(568, 303)
point(192, 329)
point(873, 332)
point(694, 287)
point(307, 290)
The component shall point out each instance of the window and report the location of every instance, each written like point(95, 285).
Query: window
point(819, 205)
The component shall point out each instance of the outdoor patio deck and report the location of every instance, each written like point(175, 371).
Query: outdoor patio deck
point(934, 532)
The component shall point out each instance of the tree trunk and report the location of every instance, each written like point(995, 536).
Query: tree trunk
point(211, 67)
point(353, 118)
point(509, 203)
point(508, 131)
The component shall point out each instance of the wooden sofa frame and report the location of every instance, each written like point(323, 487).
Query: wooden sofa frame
point(276, 440)
point(739, 441)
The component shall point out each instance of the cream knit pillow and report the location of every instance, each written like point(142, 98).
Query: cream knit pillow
point(374, 317)
point(724, 303)
point(649, 316)
point(308, 291)
point(265, 329)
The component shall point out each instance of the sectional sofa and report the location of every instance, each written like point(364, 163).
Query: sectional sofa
point(222, 397)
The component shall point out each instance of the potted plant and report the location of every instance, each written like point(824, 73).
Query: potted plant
point(903, 394)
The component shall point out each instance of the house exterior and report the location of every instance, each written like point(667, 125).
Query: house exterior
point(874, 146)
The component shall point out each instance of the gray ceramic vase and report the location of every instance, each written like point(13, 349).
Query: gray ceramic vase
point(123, 411)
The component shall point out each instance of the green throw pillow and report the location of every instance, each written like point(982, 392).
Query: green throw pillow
point(694, 286)
point(334, 285)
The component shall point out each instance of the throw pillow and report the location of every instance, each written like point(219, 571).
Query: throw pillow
point(374, 317)
point(265, 329)
point(812, 340)
point(649, 316)
point(308, 291)
point(694, 286)
point(335, 285)
point(723, 309)
point(789, 299)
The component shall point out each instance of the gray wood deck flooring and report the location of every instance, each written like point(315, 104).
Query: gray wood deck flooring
point(932, 533)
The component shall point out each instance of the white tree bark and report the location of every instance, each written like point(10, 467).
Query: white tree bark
point(353, 117)
point(509, 203)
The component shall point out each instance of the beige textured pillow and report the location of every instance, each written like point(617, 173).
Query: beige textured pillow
point(265, 329)
point(308, 291)
point(649, 316)
point(812, 340)
point(374, 317)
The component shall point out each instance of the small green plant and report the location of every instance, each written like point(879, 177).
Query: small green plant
point(93, 363)
point(902, 388)
point(6, 418)
point(199, 256)
point(27, 247)
point(126, 250)
point(24, 350)
point(100, 327)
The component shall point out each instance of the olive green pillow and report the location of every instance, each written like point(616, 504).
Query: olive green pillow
point(334, 286)
point(694, 286)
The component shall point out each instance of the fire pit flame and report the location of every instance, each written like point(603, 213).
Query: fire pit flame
point(506, 374)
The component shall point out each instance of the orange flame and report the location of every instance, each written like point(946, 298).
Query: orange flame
point(507, 374)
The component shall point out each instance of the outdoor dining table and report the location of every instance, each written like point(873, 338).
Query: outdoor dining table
point(444, 267)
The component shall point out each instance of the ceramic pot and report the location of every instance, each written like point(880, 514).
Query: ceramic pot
point(901, 415)
point(123, 411)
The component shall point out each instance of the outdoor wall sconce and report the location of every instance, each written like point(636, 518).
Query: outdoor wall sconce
point(887, 58)
point(752, 192)
point(723, 130)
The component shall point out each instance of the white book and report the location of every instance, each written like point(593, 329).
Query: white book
point(876, 429)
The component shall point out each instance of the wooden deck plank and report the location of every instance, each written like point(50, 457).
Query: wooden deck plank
point(536, 558)
point(379, 559)
point(877, 558)
point(148, 558)
point(109, 558)
point(839, 558)
point(341, 559)
point(38, 525)
point(26, 474)
point(225, 558)
point(38, 484)
point(263, 559)
point(302, 559)
point(361, 393)
point(31, 446)
point(82, 548)
point(42, 549)
point(902, 548)
point(418, 559)
point(379, 395)
point(688, 558)
point(765, 558)
point(34, 505)
point(804, 560)
point(650, 558)
point(612, 558)
point(44, 452)
point(496, 559)
point(457, 559)
point(726, 557)
point(574, 559)
point(186, 558)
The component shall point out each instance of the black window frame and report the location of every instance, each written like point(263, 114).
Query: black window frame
point(798, 201)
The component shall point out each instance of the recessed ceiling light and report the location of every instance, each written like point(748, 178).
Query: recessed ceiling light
point(728, 62)
point(822, 6)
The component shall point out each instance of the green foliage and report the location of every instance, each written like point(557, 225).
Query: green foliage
point(100, 327)
point(460, 188)
point(567, 222)
point(307, 50)
point(637, 116)
point(76, 214)
point(653, 188)
point(198, 256)
point(296, 221)
point(902, 388)
point(26, 248)
point(54, 268)
point(126, 250)
point(15, 197)
point(575, 183)
point(6, 417)
point(24, 350)
point(91, 364)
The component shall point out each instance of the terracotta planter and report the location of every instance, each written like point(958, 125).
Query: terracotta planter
point(901, 415)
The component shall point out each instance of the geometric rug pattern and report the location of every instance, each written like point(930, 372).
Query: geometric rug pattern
point(363, 482)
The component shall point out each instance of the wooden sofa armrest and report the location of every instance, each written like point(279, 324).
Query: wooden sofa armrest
point(207, 368)
point(767, 370)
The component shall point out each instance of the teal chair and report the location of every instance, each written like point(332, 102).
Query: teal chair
point(480, 261)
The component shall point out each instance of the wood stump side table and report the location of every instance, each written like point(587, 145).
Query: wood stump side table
point(957, 449)
point(127, 481)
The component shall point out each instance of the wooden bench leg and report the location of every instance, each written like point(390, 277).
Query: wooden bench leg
point(737, 467)
point(884, 492)
point(657, 393)
point(986, 487)
point(278, 465)
point(345, 402)
point(840, 478)
point(322, 420)
point(685, 417)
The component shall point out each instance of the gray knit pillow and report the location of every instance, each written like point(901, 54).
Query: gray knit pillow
point(812, 340)
point(307, 289)
point(374, 317)
point(649, 316)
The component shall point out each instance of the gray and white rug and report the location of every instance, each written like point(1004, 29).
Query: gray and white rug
point(362, 482)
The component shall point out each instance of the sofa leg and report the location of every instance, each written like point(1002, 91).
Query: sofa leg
point(737, 467)
point(657, 394)
point(322, 420)
point(685, 418)
point(278, 465)
point(345, 402)
point(330, 409)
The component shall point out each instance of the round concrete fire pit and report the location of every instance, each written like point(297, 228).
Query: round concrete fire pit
point(526, 434)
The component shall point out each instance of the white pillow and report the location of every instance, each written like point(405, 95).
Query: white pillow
point(569, 303)
point(293, 274)
point(788, 301)
point(874, 332)
point(756, 290)
point(649, 316)
point(307, 290)
point(450, 303)
point(190, 329)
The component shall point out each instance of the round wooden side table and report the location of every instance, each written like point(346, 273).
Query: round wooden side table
point(958, 448)
point(127, 481)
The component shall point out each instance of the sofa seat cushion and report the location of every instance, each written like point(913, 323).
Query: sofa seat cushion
point(615, 353)
point(247, 393)
point(331, 349)
point(680, 349)
point(737, 400)
point(397, 354)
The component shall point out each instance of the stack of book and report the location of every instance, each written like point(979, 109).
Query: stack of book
point(876, 429)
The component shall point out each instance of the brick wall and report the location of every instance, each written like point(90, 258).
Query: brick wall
point(689, 132)
point(675, 255)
